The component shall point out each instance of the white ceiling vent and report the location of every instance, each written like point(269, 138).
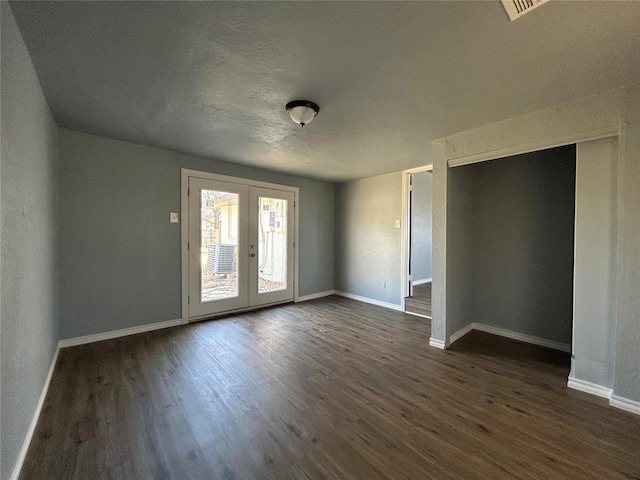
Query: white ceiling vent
point(517, 8)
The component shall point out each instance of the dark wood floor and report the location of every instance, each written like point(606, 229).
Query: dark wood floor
point(420, 301)
point(330, 388)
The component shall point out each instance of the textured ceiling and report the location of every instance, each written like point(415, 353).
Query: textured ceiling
point(212, 78)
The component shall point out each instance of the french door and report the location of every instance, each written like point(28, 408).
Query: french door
point(240, 246)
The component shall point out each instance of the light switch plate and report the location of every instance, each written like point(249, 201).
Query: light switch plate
point(173, 217)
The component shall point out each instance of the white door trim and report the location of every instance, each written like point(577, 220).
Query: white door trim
point(405, 247)
point(605, 132)
point(185, 173)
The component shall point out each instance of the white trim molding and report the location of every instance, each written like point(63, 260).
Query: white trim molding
point(543, 342)
point(615, 401)
point(435, 343)
point(405, 246)
point(313, 296)
point(372, 301)
point(625, 404)
point(422, 281)
point(461, 333)
point(424, 168)
point(34, 420)
point(97, 337)
point(588, 387)
point(522, 337)
point(545, 144)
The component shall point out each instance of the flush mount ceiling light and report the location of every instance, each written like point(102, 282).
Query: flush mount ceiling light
point(302, 111)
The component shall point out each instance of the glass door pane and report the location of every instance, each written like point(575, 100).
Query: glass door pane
point(218, 255)
point(219, 245)
point(272, 244)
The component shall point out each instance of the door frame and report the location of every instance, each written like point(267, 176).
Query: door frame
point(579, 121)
point(405, 249)
point(185, 173)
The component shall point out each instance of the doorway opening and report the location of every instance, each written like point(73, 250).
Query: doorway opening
point(417, 257)
point(238, 244)
point(496, 297)
point(512, 228)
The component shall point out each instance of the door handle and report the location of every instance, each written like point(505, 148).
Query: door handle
point(252, 255)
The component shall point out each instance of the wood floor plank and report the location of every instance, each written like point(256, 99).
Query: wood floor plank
point(420, 301)
point(326, 389)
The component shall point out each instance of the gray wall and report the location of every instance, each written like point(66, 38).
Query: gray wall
point(627, 350)
point(367, 242)
point(120, 256)
point(28, 247)
point(595, 269)
point(421, 223)
point(520, 230)
point(461, 198)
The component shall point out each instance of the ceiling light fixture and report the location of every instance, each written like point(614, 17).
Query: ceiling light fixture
point(302, 111)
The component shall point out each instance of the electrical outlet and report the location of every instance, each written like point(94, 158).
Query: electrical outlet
point(397, 223)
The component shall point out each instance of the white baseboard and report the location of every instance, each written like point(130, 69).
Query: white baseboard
point(34, 420)
point(522, 337)
point(313, 296)
point(422, 281)
point(461, 333)
point(435, 343)
point(543, 342)
point(372, 301)
point(97, 337)
point(605, 392)
point(588, 387)
point(625, 404)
